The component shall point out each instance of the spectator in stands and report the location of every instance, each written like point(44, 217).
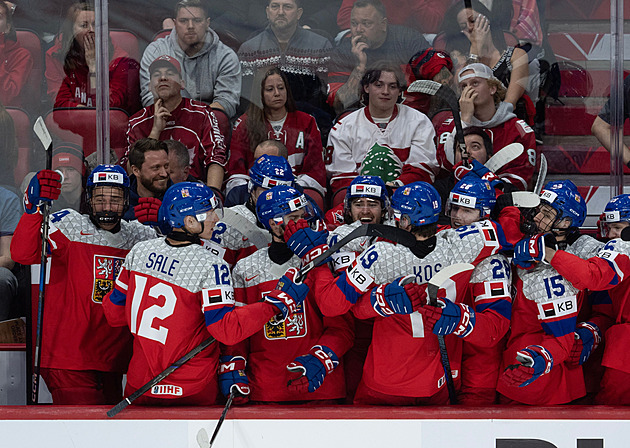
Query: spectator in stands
point(188, 121)
point(486, 44)
point(240, 193)
point(601, 125)
point(178, 162)
point(302, 55)
point(10, 212)
point(385, 139)
point(71, 66)
point(8, 148)
point(148, 162)
point(371, 39)
point(211, 70)
point(68, 160)
point(481, 104)
point(277, 119)
point(16, 62)
point(423, 15)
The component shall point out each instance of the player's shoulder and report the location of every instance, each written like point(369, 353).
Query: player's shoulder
point(585, 246)
point(72, 223)
point(137, 230)
point(496, 266)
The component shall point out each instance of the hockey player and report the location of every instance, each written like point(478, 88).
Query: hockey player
point(294, 360)
point(400, 336)
point(82, 357)
point(606, 271)
point(180, 293)
point(546, 304)
point(235, 238)
point(472, 200)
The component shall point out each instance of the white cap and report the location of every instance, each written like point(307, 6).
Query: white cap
point(478, 69)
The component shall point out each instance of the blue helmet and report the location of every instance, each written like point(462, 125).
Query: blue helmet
point(269, 171)
point(473, 192)
point(618, 209)
point(280, 201)
point(367, 187)
point(419, 202)
point(565, 198)
point(188, 199)
point(107, 176)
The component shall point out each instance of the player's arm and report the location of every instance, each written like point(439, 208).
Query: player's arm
point(114, 303)
point(601, 130)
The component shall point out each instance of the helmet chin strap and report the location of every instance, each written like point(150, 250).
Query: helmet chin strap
point(187, 236)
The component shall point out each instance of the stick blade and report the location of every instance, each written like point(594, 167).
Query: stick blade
point(542, 174)
point(42, 132)
point(448, 272)
point(504, 156)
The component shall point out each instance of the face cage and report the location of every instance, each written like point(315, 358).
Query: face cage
point(107, 217)
point(529, 226)
point(386, 210)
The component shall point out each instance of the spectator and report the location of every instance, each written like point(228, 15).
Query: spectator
point(371, 39)
point(423, 15)
point(178, 162)
point(210, 69)
point(16, 61)
point(10, 212)
point(302, 55)
point(182, 119)
point(277, 119)
point(148, 162)
point(71, 66)
point(481, 104)
point(68, 160)
point(385, 139)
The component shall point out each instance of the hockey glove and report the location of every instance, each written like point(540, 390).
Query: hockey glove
point(392, 298)
point(587, 339)
point(44, 187)
point(484, 173)
point(460, 171)
point(448, 317)
point(529, 251)
point(232, 377)
point(534, 361)
point(147, 211)
point(288, 295)
point(305, 242)
point(312, 369)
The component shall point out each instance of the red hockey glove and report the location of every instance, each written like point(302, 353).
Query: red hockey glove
point(147, 211)
point(44, 187)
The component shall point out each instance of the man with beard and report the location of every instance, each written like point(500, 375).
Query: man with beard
point(182, 119)
point(148, 161)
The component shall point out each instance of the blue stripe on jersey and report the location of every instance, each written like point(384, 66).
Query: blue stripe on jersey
point(502, 307)
point(216, 314)
point(559, 328)
point(615, 280)
point(351, 294)
point(501, 237)
point(118, 297)
point(599, 298)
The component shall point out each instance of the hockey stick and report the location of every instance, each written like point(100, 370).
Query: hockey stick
point(542, 174)
point(432, 289)
point(447, 95)
point(257, 236)
point(378, 230)
point(44, 136)
point(504, 156)
point(223, 414)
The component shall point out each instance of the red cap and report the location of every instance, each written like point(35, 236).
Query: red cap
point(165, 61)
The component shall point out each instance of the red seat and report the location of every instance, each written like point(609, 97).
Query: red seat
point(126, 40)
point(30, 96)
point(316, 197)
point(160, 34)
point(78, 125)
point(23, 133)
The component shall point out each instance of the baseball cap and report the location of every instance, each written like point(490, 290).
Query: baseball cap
point(68, 154)
point(479, 70)
point(165, 61)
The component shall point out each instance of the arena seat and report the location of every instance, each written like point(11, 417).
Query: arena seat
point(126, 40)
point(23, 133)
point(317, 198)
point(30, 97)
point(78, 125)
point(160, 34)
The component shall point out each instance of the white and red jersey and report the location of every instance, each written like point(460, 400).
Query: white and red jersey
point(172, 298)
point(303, 140)
point(489, 295)
point(401, 340)
point(277, 344)
point(231, 242)
point(191, 123)
point(544, 312)
point(609, 270)
point(409, 134)
point(518, 172)
point(84, 263)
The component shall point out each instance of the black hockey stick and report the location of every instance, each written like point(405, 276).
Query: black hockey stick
point(446, 94)
point(44, 136)
point(432, 289)
point(223, 414)
point(377, 230)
